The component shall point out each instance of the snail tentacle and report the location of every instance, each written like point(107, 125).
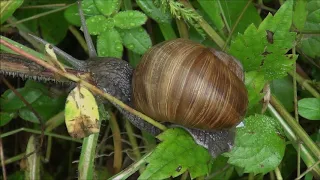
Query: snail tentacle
point(91, 48)
point(78, 64)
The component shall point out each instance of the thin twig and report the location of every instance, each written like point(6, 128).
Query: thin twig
point(308, 170)
point(68, 138)
point(4, 173)
point(43, 6)
point(117, 161)
point(295, 100)
point(278, 173)
point(38, 16)
point(236, 24)
point(304, 83)
point(79, 38)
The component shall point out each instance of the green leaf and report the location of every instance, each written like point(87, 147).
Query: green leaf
point(259, 145)
point(30, 84)
point(10, 102)
point(6, 117)
point(129, 19)
point(89, 8)
point(137, 39)
point(45, 106)
point(109, 44)
point(310, 43)
point(300, 14)
point(283, 90)
point(72, 15)
point(213, 10)
point(309, 108)
point(7, 8)
point(98, 24)
point(107, 7)
point(176, 153)
point(154, 12)
point(264, 49)
point(218, 164)
point(54, 27)
point(254, 82)
point(17, 175)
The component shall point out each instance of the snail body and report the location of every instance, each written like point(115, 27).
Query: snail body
point(177, 81)
point(185, 83)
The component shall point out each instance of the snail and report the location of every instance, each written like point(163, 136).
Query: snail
point(179, 82)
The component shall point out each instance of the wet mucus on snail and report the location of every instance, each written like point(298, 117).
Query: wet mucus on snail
point(180, 82)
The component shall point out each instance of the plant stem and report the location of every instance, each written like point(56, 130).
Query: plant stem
point(182, 27)
point(91, 87)
point(15, 158)
point(296, 115)
point(262, 6)
point(79, 38)
point(224, 17)
point(133, 142)
point(87, 157)
point(304, 83)
point(4, 174)
point(38, 15)
point(23, 31)
point(43, 6)
point(132, 168)
point(206, 27)
point(54, 122)
point(49, 148)
point(167, 31)
point(303, 136)
point(39, 132)
point(117, 158)
point(305, 154)
point(278, 173)
point(308, 170)
point(236, 24)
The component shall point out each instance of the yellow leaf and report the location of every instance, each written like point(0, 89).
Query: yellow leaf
point(81, 113)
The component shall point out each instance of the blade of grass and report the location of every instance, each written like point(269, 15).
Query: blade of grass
point(33, 161)
point(132, 168)
point(87, 157)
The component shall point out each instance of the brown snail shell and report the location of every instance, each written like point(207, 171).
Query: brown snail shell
point(185, 83)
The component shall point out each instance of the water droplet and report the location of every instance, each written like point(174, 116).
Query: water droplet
point(119, 47)
point(130, 46)
point(132, 24)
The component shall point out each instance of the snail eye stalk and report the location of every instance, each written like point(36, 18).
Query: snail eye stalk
point(91, 49)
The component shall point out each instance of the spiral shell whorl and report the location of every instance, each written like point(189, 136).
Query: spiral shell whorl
point(182, 82)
